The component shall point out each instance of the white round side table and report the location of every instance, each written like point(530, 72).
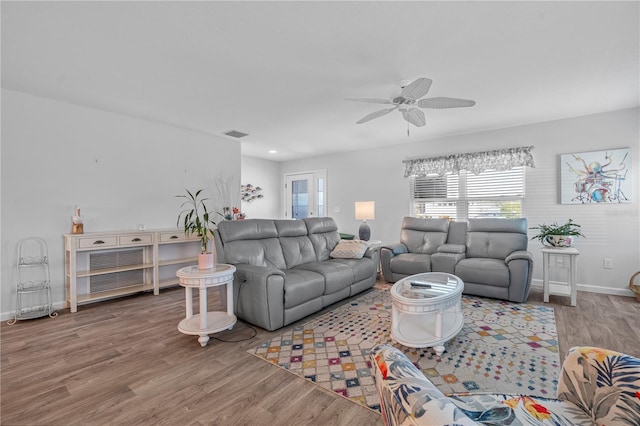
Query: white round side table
point(205, 323)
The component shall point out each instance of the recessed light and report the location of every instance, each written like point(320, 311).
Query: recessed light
point(273, 151)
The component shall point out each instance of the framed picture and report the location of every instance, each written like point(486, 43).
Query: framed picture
point(596, 177)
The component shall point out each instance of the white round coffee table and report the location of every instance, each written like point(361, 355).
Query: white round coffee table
point(426, 310)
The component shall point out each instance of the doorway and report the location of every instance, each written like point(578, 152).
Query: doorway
point(305, 194)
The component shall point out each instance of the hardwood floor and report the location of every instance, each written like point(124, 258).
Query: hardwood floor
point(123, 362)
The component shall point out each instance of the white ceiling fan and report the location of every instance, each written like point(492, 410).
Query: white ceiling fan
point(407, 101)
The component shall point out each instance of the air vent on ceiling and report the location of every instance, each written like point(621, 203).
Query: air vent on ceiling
point(236, 134)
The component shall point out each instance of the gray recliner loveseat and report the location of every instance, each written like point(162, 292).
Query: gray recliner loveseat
point(489, 255)
point(284, 268)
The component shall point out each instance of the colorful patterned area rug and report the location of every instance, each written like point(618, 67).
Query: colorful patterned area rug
point(503, 347)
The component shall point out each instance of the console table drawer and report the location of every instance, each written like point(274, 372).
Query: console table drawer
point(94, 242)
point(125, 240)
point(167, 237)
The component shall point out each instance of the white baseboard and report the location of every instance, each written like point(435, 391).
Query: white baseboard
point(6, 316)
point(588, 288)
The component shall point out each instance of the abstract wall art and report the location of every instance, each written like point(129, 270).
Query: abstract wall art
point(596, 177)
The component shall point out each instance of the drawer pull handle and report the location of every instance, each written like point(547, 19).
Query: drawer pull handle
point(98, 242)
point(136, 240)
point(173, 237)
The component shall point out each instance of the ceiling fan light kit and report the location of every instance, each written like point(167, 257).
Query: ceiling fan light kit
point(407, 101)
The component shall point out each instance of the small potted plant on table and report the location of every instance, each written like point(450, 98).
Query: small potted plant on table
point(557, 236)
point(195, 220)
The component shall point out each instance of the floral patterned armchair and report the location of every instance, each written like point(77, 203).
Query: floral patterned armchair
point(596, 387)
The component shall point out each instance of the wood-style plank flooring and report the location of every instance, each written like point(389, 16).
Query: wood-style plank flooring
point(123, 362)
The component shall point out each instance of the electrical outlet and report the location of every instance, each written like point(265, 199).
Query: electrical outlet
point(607, 263)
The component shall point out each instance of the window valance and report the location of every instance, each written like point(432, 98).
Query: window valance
point(474, 162)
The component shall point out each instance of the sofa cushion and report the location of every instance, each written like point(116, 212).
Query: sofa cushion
point(337, 276)
point(323, 233)
point(483, 271)
point(265, 252)
point(297, 251)
point(496, 238)
point(411, 263)
point(301, 286)
point(423, 235)
point(349, 249)
point(255, 229)
point(362, 268)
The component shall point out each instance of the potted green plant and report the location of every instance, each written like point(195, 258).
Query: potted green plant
point(195, 219)
point(558, 236)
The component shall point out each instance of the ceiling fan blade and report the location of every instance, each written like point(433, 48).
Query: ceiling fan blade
point(370, 100)
point(416, 89)
point(375, 115)
point(441, 103)
point(414, 116)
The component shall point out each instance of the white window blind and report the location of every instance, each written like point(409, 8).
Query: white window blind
point(465, 195)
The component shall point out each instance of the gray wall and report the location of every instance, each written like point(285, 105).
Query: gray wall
point(120, 170)
point(612, 230)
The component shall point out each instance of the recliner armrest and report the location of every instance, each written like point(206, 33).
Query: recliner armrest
point(452, 248)
point(520, 254)
point(258, 293)
point(396, 248)
point(373, 249)
point(256, 273)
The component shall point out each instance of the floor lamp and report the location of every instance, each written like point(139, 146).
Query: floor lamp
point(365, 210)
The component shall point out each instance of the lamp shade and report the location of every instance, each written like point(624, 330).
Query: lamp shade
point(365, 210)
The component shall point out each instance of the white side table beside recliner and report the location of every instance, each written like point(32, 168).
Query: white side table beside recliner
point(570, 252)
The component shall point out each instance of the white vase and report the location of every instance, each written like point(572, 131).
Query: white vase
point(206, 261)
point(559, 241)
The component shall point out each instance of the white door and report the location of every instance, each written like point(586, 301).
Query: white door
point(305, 195)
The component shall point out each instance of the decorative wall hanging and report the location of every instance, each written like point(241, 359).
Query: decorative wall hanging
point(250, 193)
point(596, 177)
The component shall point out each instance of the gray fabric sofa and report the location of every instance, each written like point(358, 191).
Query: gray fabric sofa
point(489, 255)
point(284, 271)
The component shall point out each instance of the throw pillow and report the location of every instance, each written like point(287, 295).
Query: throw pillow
point(349, 249)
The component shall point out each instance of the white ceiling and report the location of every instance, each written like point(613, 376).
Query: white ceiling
point(280, 70)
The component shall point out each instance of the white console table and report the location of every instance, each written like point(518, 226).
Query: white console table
point(205, 323)
point(570, 252)
point(103, 265)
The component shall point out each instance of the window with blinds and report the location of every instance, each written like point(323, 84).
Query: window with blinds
point(498, 194)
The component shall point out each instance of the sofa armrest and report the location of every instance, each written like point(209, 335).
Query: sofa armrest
point(396, 248)
point(373, 249)
point(407, 396)
point(520, 254)
point(520, 264)
point(452, 248)
point(604, 384)
point(387, 252)
point(445, 262)
point(258, 293)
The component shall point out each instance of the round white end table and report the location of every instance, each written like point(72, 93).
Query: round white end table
point(426, 310)
point(205, 323)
